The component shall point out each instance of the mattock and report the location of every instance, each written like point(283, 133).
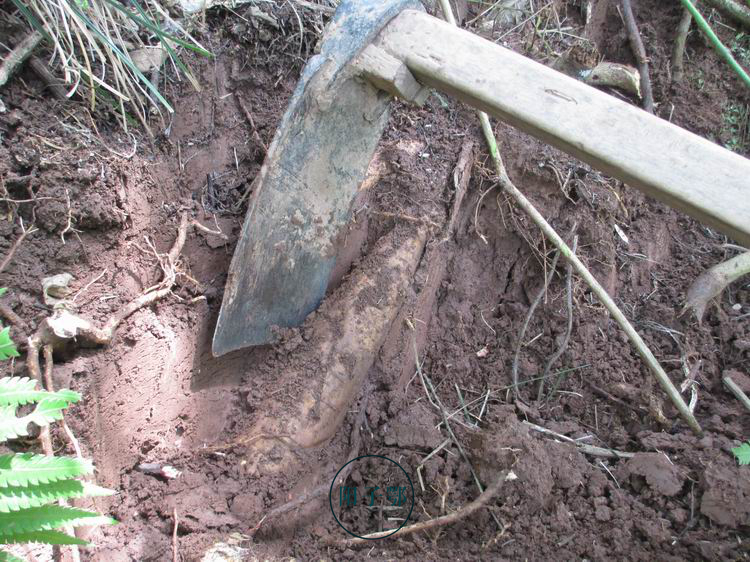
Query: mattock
point(375, 49)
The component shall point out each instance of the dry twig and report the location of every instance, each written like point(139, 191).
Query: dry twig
point(483, 499)
point(737, 391)
point(636, 44)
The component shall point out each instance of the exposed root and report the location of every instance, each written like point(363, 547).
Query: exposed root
point(636, 44)
point(524, 327)
point(568, 329)
point(486, 496)
point(355, 442)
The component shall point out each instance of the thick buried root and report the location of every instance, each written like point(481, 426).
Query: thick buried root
point(344, 337)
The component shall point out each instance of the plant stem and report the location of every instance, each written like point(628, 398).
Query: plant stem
point(725, 53)
point(678, 52)
point(18, 56)
point(580, 269)
point(636, 45)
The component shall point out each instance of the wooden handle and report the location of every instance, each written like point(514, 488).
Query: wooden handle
point(671, 164)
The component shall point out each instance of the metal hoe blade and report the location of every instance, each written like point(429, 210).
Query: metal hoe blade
point(316, 162)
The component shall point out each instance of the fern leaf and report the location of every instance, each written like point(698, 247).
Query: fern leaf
point(47, 518)
point(8, 557)
point(24, 469)
point(3, 291)
point(47, 411)
point(742, 453)
point(44, 537)
point(11, 426)
point(17, 391)
point(14, 498)
point(7, 347)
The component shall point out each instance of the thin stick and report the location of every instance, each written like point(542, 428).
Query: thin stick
point(725, 53)
point(526, 321)
point(584, 448)
point(678, 52)
point(175, 552)
point(581, 269)
point(251, 121)
point(449, 519)
point(636, 44)
point(18, 56)
point(568, 328)
point(14, 247)
point(737, 391)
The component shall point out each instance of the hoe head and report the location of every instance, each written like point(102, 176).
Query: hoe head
point(314, 166)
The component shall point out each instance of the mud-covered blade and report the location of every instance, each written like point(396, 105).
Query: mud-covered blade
point(316, 162)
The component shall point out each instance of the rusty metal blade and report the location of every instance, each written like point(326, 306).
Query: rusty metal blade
point(318, 158)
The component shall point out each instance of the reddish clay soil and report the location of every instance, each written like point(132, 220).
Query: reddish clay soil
point(156, 395)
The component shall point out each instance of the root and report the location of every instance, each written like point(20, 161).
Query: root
point(355, 442)
point(636, 44)
point(678, 52)
point(568, 329)
point(529, 314)
point(486, 496)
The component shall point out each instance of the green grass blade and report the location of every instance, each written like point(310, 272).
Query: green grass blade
point(25, 469)
point(48, 518)
point(15, 498)
point(148, 23)
point(44, 537)
point(31, 18)
point(122, 56)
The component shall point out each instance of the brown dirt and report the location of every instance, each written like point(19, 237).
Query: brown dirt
point(157, 395)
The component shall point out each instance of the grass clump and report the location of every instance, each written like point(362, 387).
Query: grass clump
point(106, 48)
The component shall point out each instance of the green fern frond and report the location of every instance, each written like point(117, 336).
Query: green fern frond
point(44, 537)
point(47, 411)
point(47, 518)
point(3, 290)
point(7, 347)
point(14, 498)
point(25, 469)
point(742, 453)
point(8, 557)
point(17, 391)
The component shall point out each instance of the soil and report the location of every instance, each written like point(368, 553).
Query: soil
point(156, 394)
